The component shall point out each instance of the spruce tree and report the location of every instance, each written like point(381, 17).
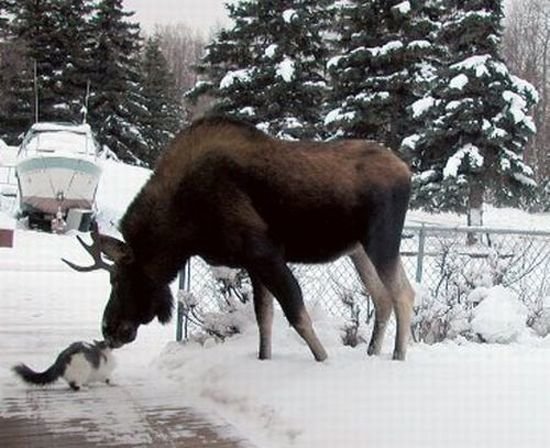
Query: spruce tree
point(269, 66)
point(48, 46)
point(387, 57)
point(4, 19)
point(116, 107)
point(75, 37)
point(162, 100)
point(474, 123)
point(33, 35)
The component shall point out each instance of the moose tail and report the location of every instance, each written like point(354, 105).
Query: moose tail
point(39, 378)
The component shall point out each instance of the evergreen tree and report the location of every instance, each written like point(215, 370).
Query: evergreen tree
point(116, 107)
point(269, 66)
point(162, 100)
point(474, 123)
point(32, 30)
point(46, 51)
point(38, 25)
point(387, 58)
point(75, 38)
point(4, 21)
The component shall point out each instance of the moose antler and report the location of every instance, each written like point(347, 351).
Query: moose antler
point(94, 250)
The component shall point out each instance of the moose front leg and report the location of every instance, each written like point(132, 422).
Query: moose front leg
point(263, 307)
point(273, 272)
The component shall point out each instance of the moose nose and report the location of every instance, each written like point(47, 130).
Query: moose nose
point(123, 334)
point(126, 332)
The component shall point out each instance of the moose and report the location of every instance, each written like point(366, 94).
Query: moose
point(229, 193)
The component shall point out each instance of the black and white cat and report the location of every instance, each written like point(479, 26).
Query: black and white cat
point(79, 364)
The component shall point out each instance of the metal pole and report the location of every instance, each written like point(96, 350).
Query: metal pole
point(184, 284)
point(35, 92)
point(420, 256)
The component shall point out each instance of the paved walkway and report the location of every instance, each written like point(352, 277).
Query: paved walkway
point(108, 416)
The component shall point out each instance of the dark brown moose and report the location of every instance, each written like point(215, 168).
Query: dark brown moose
point(236, 197)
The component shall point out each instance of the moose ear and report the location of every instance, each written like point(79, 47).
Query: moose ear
point(164, 306)
point(114, 249)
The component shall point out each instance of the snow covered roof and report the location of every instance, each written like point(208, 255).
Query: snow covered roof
point(53, 127)
point(64, 137)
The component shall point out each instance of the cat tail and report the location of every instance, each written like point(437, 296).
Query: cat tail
point(40, 378)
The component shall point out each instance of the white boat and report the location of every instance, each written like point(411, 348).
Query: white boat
point(57, 171)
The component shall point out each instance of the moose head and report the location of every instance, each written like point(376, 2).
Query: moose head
point(135, 298)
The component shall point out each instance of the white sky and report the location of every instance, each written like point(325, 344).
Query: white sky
point(200, 14)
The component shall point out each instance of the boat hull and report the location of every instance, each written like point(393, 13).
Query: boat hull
point(48, 184)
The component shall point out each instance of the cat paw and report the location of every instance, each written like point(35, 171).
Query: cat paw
point(74, 386)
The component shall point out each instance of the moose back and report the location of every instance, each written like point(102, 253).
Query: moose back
point(234, 196)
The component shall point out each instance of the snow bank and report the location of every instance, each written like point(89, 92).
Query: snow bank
point(448, 395)
point(500, 317)
point(541, 324)
point(6, 221)
point(118, 186)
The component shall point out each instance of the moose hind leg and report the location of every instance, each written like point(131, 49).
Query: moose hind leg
point(263, 307)
point(403, 297)
point(273, 272)
point(381, 298)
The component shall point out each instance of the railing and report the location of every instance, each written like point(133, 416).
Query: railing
point(445, 263)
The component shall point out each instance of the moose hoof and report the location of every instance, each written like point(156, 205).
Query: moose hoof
point(399, 356)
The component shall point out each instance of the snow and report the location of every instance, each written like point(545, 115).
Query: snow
point(119, 184)
point(403, 7)
point(337, 115)
point(242, 75)
point(500, 317)
point(334, 61)
point(458, 82)
point(286, 69)
point(7, 222)
point(387, 48)
point(477, 64)
point(517, 106)
point(417, 44)
point(421, 106)
point(453, 394)
point(50, 137)
point(410, 141)
point(289, 15)
point(526, 88)
point(270, 51)
point(469, 151)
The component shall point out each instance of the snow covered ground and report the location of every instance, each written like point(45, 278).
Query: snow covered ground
point(455, 394)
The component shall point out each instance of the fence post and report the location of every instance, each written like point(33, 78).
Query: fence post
point(184, 283)
point(420, 256)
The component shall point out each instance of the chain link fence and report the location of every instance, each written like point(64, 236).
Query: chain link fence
point(445, 264)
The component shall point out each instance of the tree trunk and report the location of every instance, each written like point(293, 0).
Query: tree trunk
point(475, 209)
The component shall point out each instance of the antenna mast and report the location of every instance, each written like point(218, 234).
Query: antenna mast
point(35, 92)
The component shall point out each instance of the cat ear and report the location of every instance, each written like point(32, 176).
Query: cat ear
point(164, 305)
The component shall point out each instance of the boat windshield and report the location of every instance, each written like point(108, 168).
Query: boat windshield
point(59, 140)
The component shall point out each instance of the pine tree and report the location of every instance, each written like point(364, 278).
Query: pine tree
point(116, 107)
point(386, 59)
point(163, 101)
point(32, 29)
point(269, 67)
point(46, 49)
point(474, 123)
point(4, 20)
point(75, 37)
